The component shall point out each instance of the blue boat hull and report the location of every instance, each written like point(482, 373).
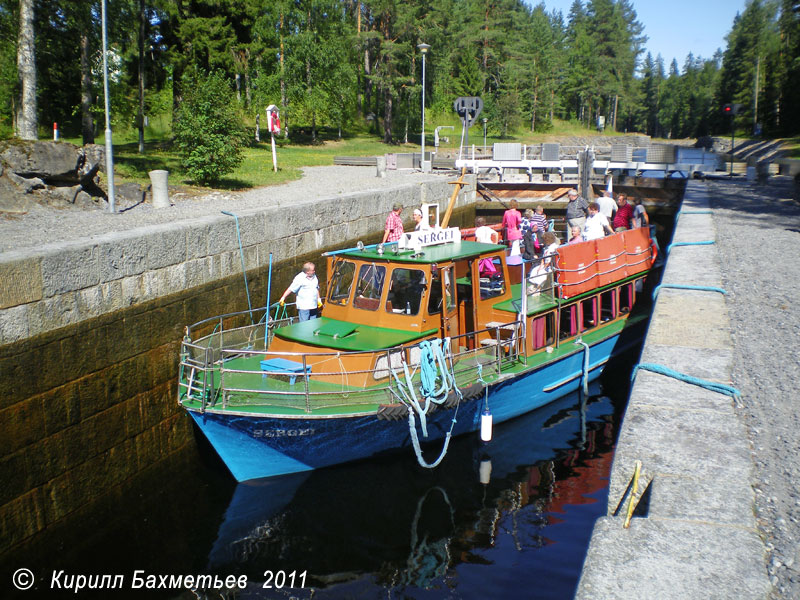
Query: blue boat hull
point(254, 447)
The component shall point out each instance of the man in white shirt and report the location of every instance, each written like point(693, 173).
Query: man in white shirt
point(596, 225)
point(607, 205)
point(306, 286)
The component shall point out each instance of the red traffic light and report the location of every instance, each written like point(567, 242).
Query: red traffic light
point(731, 109)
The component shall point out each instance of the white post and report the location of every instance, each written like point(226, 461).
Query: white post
point(424, 49)
point(109, 147)
point(274, 154)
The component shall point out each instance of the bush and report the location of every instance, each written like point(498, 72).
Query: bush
point(209, 132)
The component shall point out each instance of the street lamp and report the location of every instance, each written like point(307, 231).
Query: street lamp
point(424, 49)
point(109, 146)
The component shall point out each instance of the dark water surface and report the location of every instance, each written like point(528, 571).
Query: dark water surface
point(382, 528)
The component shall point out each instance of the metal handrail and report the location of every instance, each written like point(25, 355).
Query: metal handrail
point(209, 363)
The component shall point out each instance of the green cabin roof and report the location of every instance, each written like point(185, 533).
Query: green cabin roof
point(348, 337)
point(430, 254)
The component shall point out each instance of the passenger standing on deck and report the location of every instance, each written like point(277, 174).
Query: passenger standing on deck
point(607, 205)
point(622, 220)
point(483, 233)
point(640, 218)
point(394, 225)
point(596, 225)
point(525, 224)
point(306, 286)
point(417, 219)
point(539, 219)
point(577, 209)
point(512, 219)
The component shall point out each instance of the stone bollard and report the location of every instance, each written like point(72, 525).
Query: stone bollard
point(159, 188)
point(381, 164)
point(762, 172)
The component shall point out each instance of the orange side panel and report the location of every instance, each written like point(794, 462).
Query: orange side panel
point(577, 268)
point(637, 250)
point(611, 263)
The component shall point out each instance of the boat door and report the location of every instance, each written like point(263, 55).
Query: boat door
point(447, 280)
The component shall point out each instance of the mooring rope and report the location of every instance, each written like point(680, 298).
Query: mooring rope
point(703, 243)
point(585, 373)
point(681, 286)
point(433, 363)
point(720, 388)
point(241, 256)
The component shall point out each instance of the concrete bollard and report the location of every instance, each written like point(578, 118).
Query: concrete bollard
point(160, 188)
point(762, 171)
point(381, 164)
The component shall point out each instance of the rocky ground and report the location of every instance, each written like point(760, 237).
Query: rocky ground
point(758, 237)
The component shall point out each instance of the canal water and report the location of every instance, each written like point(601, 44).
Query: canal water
point(509, 518)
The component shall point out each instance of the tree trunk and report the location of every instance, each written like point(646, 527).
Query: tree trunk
point(360, 95)
point(616, 105)
point(367, 80)
point(87, 120)
point(284, 102)
point(755, 93)
point(142, 33)
point(387, 118)
point(27, 121)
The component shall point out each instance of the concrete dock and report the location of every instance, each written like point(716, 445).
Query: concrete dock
point(698, 537)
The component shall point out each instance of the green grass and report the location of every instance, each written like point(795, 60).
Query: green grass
point(793, 146)
point(256, 169)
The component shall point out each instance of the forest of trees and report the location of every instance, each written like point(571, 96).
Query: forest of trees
point(342, 64)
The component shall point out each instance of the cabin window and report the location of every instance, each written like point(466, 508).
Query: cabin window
point(588, 313)
point(490, 270)
point(435, 297)
point(608, 305)
point(405, 291)
point(568, 325)
point(542, 330)
point(341, 282)
point(626, 298)
point(369, 286)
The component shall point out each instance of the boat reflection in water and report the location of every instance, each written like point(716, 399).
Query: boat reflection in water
point(389, 528)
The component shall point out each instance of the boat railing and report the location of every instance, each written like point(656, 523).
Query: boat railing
point(327, 380)
point(200, 358)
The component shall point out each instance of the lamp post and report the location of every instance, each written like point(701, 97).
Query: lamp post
point(485, 120)
point(109, 146)
point(424, 49)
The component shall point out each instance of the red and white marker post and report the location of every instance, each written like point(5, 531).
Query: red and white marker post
point(274, 126)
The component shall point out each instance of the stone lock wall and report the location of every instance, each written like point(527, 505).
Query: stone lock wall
point(90, 333)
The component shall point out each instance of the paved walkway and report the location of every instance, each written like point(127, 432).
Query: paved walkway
point(699, 538)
